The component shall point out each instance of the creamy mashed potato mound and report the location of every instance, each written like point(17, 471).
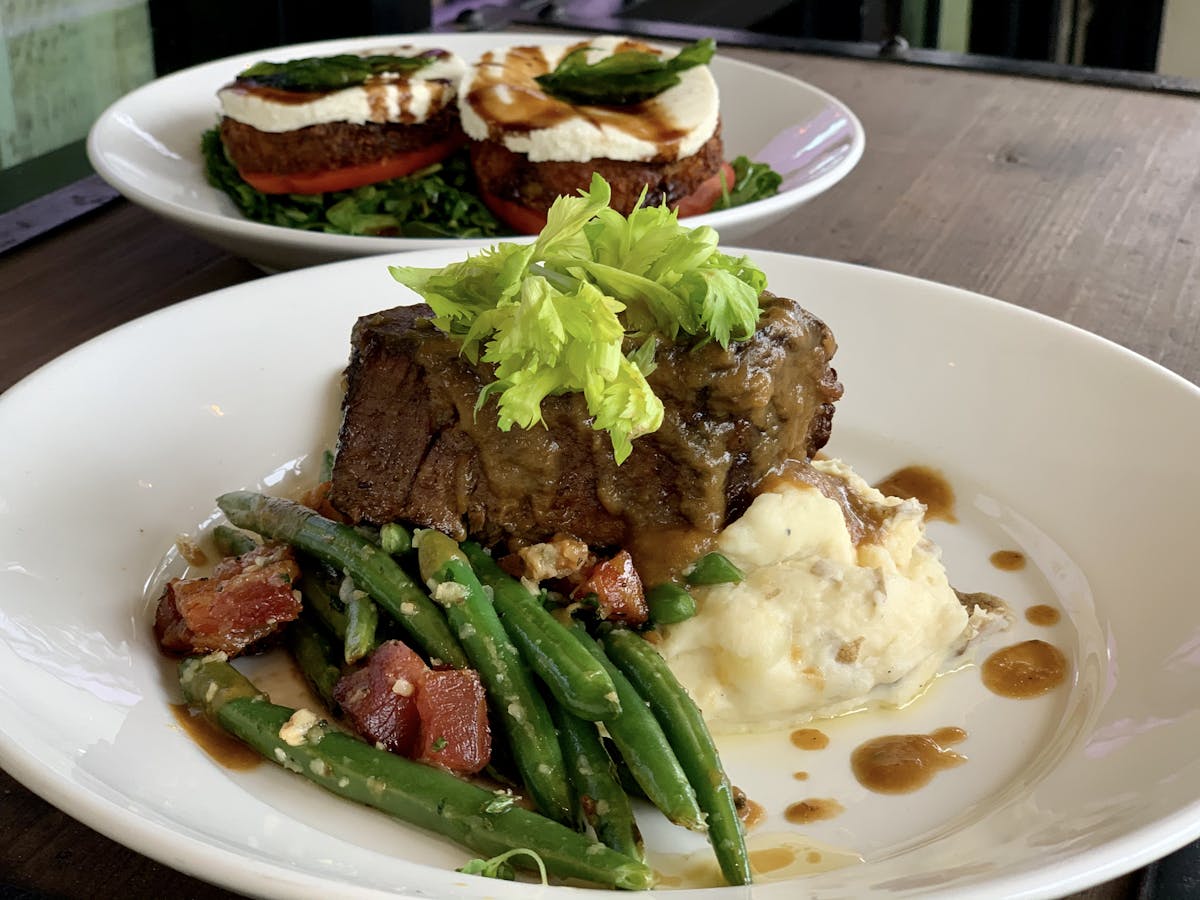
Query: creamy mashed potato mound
point(820, 626)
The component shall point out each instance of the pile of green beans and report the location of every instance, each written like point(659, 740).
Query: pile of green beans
point(553, 689)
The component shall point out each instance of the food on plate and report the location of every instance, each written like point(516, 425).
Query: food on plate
point(573, 522)
point(844, 604)
point(370, 142)
point(365, 143)
point(308, 126)
point(543, 119)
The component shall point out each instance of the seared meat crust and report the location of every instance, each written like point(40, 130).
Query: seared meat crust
point(511, 176)
point(334, 145)
point(412, 446)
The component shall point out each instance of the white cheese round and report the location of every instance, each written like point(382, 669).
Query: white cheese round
point(820, 626)
point(501, 100)
point(410, 99)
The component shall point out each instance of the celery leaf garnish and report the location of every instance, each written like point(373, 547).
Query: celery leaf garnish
point(584, 307)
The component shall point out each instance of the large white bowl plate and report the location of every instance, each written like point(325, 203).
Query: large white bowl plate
point(1064, 446)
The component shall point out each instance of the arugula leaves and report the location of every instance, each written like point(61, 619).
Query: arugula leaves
point(582, 309)
point(438, 201)
point(631, 76)
point(752, 181)
point(328, 73)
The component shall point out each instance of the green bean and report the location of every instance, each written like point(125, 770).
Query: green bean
point(644, 746)
point(316, 657)
point(362, 618)
point(510, 686)
point(395, 539)
point(411, 792)
point(372, 569)
point(685, 728)
point(602, 800)
point(715, 568)
point(232, 541)
point(574, 676)
point(321, 602)
point(669, 603)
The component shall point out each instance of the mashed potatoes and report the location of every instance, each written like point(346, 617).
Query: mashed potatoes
point(821, 625)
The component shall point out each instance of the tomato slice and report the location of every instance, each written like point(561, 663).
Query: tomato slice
point(524, 220)
point(707, 193)
point(351, 176)
point(520, 219)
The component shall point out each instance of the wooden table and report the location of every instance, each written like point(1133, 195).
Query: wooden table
point(1079, 202)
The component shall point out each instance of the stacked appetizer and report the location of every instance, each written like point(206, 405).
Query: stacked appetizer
point(373, 143)
point(317, 125)
point(544, 119)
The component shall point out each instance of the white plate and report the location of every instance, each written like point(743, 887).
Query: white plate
point(1059, 444)
point(147, 146)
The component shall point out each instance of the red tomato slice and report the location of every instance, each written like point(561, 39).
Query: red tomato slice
point(351, 176)
point(520, 219)
point(529, 221)
point(702, 199)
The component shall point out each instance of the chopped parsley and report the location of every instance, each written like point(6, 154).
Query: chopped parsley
point(440, 744)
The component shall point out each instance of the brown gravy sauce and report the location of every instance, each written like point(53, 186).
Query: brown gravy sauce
point(864, 520)
point(800, 776)
point(507, 97)
point(751, 813)
point(902, 763)
point(810, 739)
point(225, 750)
point(925, 484)
point(661, 555)
point(1042, 615)
point(814, 809)
point(1027, 669)
point(1008, 560)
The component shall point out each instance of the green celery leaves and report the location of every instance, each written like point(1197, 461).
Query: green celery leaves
point(631, 76)
point(582, 309)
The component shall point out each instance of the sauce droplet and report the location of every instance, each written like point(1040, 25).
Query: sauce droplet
point(1042, 615)
point(902, 763)
point(800, 776)
point(1008, 560)
point(1027, 669)
point(814, 809)
point(224, 749)
point(925, 484)
point(771, 858)
point(810, 739)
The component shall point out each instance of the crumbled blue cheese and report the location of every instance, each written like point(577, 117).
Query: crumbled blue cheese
point(295, 730)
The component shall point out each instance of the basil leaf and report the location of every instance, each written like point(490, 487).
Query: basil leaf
point(631, 76)
point(752, 181)
point(438, 201)
point(327, 73)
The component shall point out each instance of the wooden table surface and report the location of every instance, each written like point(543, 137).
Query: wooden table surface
point(1080, 202)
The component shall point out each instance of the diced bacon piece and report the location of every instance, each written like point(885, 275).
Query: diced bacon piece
point(454, 723)
point(617, 588)
point(246, 599)
point(317, 499)
point(380, 699)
